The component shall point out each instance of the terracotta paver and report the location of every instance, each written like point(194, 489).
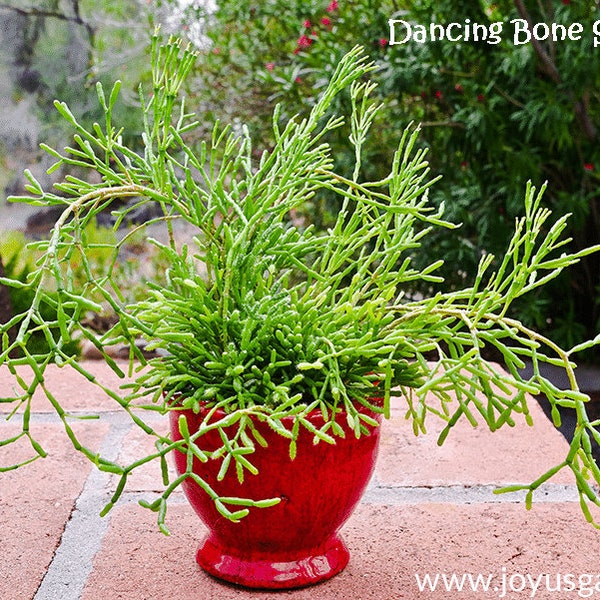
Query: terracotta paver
point(35, 503)
point(72, 390)
point(469, 455)
point(429, 510)
point(389, 546)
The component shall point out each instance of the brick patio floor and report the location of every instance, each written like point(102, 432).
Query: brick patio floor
point(427, 510)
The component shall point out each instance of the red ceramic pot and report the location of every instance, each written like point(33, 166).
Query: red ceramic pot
point(296, 542)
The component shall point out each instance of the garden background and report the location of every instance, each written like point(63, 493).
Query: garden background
point(492, 115)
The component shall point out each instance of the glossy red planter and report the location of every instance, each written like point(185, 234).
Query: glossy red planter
point(296, 542)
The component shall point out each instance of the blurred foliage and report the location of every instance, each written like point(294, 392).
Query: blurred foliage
point(493, 116)
point(19, 262)
point(127, 256)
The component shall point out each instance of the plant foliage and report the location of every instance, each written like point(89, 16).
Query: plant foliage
point(261, 317)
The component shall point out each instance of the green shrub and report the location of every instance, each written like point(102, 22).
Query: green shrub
point(123, 259)
point(19, 263)
point(494, 116)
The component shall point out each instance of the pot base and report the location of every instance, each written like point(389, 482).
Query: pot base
point(258, 570)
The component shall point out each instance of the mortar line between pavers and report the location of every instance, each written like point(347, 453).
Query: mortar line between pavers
point(82, 537)
point(113, 417)
point(397, 495)
point(466, 494)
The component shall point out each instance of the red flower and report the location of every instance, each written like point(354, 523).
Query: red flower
point(270, 66)
point(566, 2)
point(298, 80)
point(333, 6)
point(307, 23)
point(480, 97)
point(423, 95)
point(588, 166)
point(383, 42)
point(458, 88)
point(304, 41)
point(438, 94)
point(326, 21)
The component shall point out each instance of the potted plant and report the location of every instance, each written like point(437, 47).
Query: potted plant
point(275, 348)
